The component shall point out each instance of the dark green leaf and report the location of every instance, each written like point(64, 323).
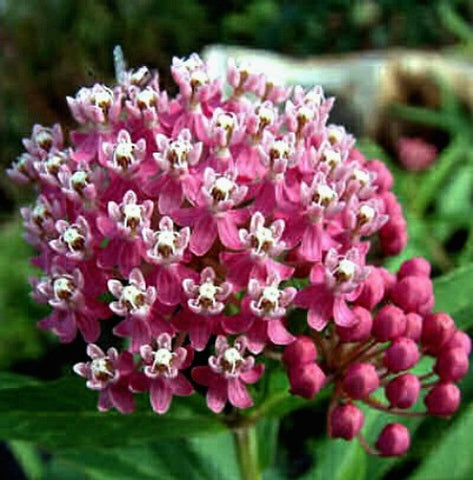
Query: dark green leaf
point(452, 458)
point(63, 414)
point(453, 295)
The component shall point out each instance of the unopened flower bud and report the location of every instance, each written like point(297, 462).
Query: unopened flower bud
point(360, 380)
point(346, 421)
point(459, 340)
point(384, 180)
point(361, 329)
point(401, 355)
point(300, 352)
point(306, 380)
point(389, 323)
point(452, 364)
point(403, 391)
point(373, 290)
point(414, 294)
point(437, 330)
point(413, 326)
point(443, 400)
point(414, 267)
point(394, 440)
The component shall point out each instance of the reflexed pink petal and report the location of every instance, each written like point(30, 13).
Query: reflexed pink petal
point(217, 397)
point(228, 232)
point(278, 334)
point(168, 287)
point(181, 386)
point(253, 375)
point(160, 395)
point(105, 403)
point(238, 394)
point(343, 316)
point(122, 399)
point(203, 235)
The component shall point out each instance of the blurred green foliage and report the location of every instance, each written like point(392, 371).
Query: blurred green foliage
point(49, 48)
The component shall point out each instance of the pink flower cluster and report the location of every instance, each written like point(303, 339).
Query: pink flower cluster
point(210, 222)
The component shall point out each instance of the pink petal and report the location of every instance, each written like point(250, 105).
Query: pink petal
point(278, 334)
point(217, 397)
point(342, 315)
point(253, 375)
point(203, 235)
point(237, 323)
point(199, 333)
point(238, 394)
point(203, 375)
point(122, 399)
point(311, 244)
point(170, 197)
point(181, 386)
point(104, 403)
point(160, 395)
point(228, 232)
point(168, 287)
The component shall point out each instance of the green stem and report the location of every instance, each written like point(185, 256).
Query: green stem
point(246, 445)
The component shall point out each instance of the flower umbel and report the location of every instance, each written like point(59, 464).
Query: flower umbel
point(238, 226)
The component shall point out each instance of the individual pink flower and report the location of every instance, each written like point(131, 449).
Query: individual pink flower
point(263, 313)
point(109, 373)
point(163, 366)
point(228, 372)
point(339, 280)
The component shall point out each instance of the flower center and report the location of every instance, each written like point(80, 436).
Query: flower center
point(166, 242)
point(324, 195)
point(198, 78)
point(63, 288)
point(269, 299)
point(79, 180)
point(345, 271)
point(177, 153)
point(361, 176)
point(102, 97)
point(279, 149)
point(163, 358)
point(132, 214)
point(141, 76)
point(231, 360)
point(262, 240)
point(73, 238)
point(222, 189)
point(40, 213)
point(102, 368)
point(331, 157)
point(44, 139)
point(365, 215)
point(335, 136)
point(123, 154)
point(207, 294)
point(53, 163)
point(266, 116)
point(146, 98)
point(132, 297)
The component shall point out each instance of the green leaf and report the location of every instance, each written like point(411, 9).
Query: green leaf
point(338, 460)
point(29, 457)
point(64, 414)
point(452, 457)
point(453, 295)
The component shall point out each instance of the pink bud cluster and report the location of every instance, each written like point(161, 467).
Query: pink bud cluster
point(196, 219)
point(371, 361)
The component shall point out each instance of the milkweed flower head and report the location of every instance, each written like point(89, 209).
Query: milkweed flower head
point(236, 221)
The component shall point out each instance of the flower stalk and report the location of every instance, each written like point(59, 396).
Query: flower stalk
point(246, 444)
